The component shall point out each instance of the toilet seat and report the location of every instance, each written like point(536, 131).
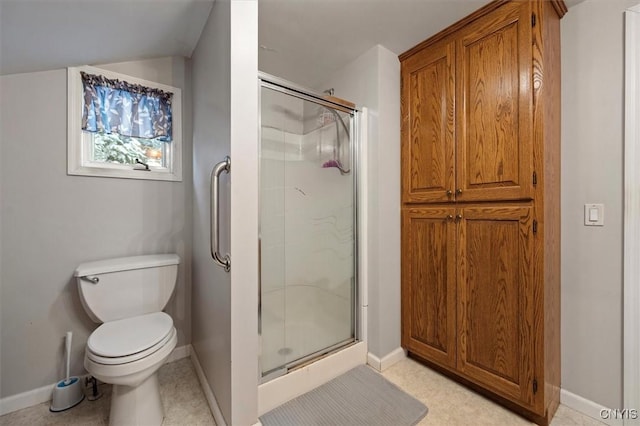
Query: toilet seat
point(130, 339)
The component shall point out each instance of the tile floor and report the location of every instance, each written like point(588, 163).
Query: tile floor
point(182, 397)
point(450, 404)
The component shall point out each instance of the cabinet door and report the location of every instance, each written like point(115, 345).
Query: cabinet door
point(494, 156)
point(428, 125)
point(495, 300)
point(429, 283)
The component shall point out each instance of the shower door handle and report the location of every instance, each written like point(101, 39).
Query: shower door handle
point(223, 166)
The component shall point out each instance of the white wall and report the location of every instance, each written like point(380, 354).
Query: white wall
point(52, 222)
point(245, 218)
point(211, 301)
point(592, 172)
point(373, 80)
point(225, 305)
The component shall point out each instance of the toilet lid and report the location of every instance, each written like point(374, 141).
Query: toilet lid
point(130, 335)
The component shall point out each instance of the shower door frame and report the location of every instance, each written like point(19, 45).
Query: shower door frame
point(288, 88)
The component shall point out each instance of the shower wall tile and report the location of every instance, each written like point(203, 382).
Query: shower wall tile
point(271, 141)
point(273, 329)
point(315, 321)
point(272, 223)
point(319, 224)
point(300, 320)
point(326, 268)
point(272, 202)
point(328, 231)
point(306, 236)
point(293, 147)
point(281, 111)
point(274, 235)
point(272, 267)
point(271, 174)
point(312, 117)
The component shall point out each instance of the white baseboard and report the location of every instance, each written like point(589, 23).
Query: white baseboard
point(26, 399)
point(208, 393)
point(387, 361)
point(179, 353)
point(587, 407)
point(38, 396)
point(373, 361)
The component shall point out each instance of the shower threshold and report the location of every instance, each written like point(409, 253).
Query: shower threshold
point(307, 360)
point(301, 380)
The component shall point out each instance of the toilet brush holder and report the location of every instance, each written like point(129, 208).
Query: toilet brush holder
point(69, 392)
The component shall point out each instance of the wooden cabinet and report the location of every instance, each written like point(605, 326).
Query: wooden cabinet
point(495, 299)
point(481, 203)
point(468, 292)
point(429, 283)
point(494, 151)
point(428, 144)
point(467, 102)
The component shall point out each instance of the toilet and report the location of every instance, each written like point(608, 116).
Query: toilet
point(127, 296)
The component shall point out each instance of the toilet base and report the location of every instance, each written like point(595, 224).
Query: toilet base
point(140, 405)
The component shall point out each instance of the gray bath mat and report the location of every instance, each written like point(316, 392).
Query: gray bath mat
point(358, 397)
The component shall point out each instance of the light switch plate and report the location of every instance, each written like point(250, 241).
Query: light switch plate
point(594, 214)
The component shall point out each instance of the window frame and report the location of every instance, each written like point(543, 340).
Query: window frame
point(78, 150)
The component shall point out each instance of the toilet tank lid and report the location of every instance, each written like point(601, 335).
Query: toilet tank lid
point(126, 264)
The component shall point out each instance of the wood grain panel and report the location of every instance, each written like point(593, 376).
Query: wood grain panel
point(428, 126)
point(552, 212)
point(493, 82)
point(538, 87)
point(495, 299)
point(493, 307)
point(494, 153)
point(429, 283)
point(546, 133)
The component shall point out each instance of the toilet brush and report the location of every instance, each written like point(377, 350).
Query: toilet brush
point(67, 393)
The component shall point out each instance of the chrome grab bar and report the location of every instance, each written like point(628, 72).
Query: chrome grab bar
point(223, 166)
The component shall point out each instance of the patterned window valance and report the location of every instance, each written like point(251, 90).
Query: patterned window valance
point(114, 106)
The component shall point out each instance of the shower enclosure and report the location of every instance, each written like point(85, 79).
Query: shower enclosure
point(308, 278)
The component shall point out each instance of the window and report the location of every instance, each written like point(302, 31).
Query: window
point(121, 126)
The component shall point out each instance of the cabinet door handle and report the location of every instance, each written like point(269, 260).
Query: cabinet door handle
point(458, 217)
point(450, 217)
point(459, 191)
point(449, 193)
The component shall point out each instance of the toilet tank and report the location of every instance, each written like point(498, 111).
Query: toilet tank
point(125, 287)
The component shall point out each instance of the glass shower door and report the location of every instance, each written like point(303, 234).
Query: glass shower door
point(307, 224)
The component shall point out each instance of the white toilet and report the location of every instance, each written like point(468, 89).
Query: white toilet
point(127, 296)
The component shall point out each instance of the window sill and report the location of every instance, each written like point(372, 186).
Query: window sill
point(125, 174)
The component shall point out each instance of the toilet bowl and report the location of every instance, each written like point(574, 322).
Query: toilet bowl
point(135, 339)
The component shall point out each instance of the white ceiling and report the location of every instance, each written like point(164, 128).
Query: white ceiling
point(38, 35)
point(312, 38)
point(305, 40)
